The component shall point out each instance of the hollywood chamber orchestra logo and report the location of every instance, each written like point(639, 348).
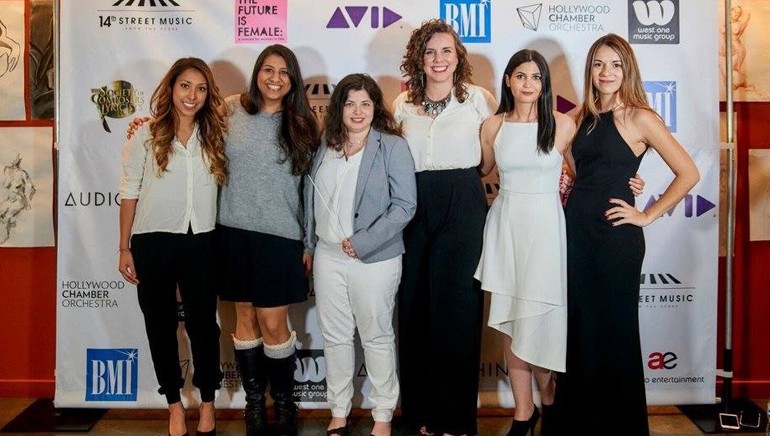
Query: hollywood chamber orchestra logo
point(471, 19)
point(565, 17)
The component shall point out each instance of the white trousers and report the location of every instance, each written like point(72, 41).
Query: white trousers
point(351, 294)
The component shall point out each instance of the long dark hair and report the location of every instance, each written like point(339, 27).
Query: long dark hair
point(414, 60)
point(211, 123)
point(382, 120)
point(299, 134)
point(546, 123)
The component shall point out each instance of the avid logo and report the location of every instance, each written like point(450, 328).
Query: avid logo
point(471, 19)
point(653, 21)
point(111, 374)
point(658, 360)
point(662, 98)
point(530, 16)
point(352, 16)
point(310, 376)
point(142, 3)
point(654, 12)
point(694, 206)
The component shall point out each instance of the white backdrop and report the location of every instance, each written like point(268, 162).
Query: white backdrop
point(114, 52)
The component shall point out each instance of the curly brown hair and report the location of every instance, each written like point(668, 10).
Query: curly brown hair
point(211, 122)
point(412, 65)
point(382, 120)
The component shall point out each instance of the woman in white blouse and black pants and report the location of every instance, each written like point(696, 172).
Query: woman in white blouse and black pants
point(440, 303)
point(168, 190)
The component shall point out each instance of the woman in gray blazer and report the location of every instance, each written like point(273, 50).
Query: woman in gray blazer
point(359, 196)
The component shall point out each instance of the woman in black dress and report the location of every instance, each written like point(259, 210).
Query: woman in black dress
point(603, 389)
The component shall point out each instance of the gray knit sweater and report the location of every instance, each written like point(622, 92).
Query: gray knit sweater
point(261, 194)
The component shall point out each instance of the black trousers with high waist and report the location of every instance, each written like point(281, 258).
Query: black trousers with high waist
point(440, 304)
point(165, 261)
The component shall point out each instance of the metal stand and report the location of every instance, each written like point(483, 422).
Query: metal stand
point(731, 415)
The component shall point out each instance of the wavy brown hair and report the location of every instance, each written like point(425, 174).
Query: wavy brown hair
point(298, 132)
point(211, 122)
point(382, 120)
point(631, 92)
point(412, 65)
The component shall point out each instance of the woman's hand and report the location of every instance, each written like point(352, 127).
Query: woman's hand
point(135, 124)
point(347, 247)
point(307, 263)
point(636, 184)
point(624, 213)
point(126, 267)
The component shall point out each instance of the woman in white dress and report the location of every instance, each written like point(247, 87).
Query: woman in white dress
point(523, 264)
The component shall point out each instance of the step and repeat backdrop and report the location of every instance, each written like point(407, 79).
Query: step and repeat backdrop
point(114, 52)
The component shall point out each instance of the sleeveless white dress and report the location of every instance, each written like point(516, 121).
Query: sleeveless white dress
point(524, 262)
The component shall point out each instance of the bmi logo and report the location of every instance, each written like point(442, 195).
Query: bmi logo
point(111, 374)
point(530, 16)
point(471, 19)
point(141, 3)
point(662, 98)
point(352, 16)
point(653, 21)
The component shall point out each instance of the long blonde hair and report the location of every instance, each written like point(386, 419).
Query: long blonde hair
point(631, 92)
point(211, 122)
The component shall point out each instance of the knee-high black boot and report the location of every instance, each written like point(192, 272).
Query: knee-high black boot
point(281, 374)
point(251, 364)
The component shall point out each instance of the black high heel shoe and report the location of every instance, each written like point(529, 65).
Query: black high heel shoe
point(525, 428)
point(548, 425)
point(340, 431)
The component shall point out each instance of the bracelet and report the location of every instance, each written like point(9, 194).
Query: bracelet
point(120, 250)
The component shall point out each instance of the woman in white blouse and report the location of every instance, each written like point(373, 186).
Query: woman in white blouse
point(168, 190)
point(440, 303)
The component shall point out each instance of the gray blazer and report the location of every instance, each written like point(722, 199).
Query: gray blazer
point(385, 198)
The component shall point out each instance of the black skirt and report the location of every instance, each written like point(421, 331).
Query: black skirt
point(263, 269)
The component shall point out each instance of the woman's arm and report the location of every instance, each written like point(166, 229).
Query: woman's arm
point(403, 202)
point(126, 261)
point(657, 136)
point(489, 129)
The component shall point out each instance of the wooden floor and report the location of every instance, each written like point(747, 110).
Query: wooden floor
point(664, 420)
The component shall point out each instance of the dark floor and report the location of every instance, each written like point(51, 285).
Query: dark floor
point(664, 420)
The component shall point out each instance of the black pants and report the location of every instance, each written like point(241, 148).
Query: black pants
point(164, 261)
point(440, 304)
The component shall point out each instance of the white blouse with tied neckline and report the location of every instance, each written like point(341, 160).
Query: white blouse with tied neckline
point(451, 140)
point(183, 197)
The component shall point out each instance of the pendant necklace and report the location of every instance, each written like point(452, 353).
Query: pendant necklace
point(434, 108)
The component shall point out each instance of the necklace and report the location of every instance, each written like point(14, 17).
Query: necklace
point(434, 108)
